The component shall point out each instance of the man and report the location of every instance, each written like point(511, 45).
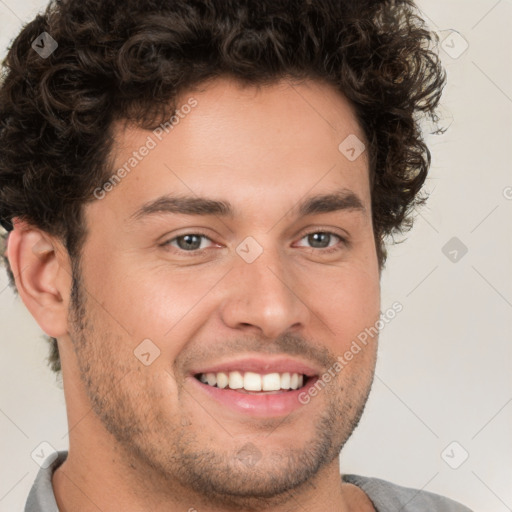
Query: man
point(197, 196)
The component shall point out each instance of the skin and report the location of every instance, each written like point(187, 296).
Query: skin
point(142, 437)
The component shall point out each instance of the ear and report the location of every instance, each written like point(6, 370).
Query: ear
point(42, 273)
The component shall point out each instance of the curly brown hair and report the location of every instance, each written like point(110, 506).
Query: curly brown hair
point(129, 60)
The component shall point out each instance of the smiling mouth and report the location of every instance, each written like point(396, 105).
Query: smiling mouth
point(254, 383)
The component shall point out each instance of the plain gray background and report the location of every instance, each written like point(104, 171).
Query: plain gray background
point(443, 386)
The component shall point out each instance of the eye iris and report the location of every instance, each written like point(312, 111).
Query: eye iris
point(190, 242)
point(316, 238)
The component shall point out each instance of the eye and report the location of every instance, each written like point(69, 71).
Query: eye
point(323, 240)
point(197, 242)
point(189, 242)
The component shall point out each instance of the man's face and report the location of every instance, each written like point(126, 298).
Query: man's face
point(271, 288)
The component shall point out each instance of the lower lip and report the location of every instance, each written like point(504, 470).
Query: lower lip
point(264, 405)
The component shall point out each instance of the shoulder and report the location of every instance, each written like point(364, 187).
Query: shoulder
point(41, 497)
point(388, 497)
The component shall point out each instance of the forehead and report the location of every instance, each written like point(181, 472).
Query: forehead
point(255, 143)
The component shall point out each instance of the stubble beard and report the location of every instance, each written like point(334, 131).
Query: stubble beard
point(166, 452)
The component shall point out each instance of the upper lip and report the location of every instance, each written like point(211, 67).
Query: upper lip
point(262, 365)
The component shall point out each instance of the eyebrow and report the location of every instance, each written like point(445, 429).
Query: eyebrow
point(343, 199)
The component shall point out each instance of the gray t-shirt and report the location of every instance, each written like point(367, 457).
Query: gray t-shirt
point(385, 496)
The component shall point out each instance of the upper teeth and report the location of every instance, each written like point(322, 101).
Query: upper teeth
point(251, 381)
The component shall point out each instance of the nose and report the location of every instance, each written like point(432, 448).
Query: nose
point(264, 296)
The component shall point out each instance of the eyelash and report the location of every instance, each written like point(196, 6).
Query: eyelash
point(327, 250)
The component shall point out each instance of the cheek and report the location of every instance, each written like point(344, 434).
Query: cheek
point(348, 302)
point(154, 303)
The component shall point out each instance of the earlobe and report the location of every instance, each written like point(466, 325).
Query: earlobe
point(41, 276)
